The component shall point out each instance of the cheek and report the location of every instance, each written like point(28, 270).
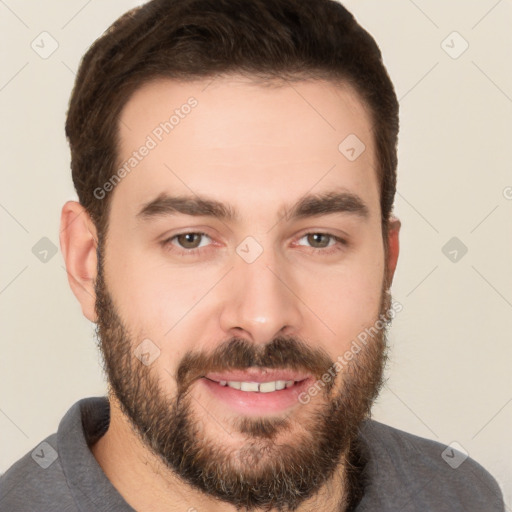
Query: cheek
point(156, 298)
point(150, 296)
point(349, 300)
point(160, 305)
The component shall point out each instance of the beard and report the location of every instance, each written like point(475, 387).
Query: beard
point(264, 472)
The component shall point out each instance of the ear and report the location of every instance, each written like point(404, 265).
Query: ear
point(393, 247)
point(78, 242)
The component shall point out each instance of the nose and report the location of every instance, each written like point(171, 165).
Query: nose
point(261, 300)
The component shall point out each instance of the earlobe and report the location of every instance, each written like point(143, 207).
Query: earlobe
point(78, 242)
point(393, 247)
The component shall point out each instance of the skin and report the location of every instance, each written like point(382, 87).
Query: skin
point(241, 139)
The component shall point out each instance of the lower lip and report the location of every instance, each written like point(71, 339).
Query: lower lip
point(255, 402)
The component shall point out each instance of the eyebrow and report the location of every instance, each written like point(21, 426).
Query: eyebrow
point(311, 205)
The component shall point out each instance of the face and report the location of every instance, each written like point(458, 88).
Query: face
point(244, 247)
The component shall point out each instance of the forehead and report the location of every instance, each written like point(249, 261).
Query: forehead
point(231, 136)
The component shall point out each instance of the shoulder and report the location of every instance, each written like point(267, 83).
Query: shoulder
point(426, 473)
point(60, 472)
point(36, 480)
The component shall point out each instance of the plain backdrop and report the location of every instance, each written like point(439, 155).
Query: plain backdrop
point(449, 375)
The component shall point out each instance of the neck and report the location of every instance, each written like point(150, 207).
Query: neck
point(146, 484)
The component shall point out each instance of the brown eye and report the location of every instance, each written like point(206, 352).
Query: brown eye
point(319, 240)
point(324, 243)
point(187, 244)
point(189, 240)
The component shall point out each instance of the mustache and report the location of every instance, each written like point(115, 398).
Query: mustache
point(240, 354)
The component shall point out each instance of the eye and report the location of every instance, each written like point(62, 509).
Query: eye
point(321, 242)
point(190, 242)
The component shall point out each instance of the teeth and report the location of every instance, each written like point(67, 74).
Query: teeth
point(262, 387)
point(267, 387)
point(248, 386)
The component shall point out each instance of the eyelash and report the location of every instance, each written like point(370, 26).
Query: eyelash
point(339, 245)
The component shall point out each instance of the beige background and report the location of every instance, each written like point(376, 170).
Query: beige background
point(451, 346)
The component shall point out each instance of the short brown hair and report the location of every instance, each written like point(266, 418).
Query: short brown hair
point(195, 39)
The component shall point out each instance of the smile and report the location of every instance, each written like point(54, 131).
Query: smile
point(257, 387)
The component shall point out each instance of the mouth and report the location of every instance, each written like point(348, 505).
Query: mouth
point(257, 393)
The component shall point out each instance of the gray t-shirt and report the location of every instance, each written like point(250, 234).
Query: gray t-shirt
point(402, 472)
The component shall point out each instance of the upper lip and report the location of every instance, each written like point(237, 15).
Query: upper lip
point(268, 375)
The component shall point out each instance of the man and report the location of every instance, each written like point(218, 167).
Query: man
point(234, 242)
